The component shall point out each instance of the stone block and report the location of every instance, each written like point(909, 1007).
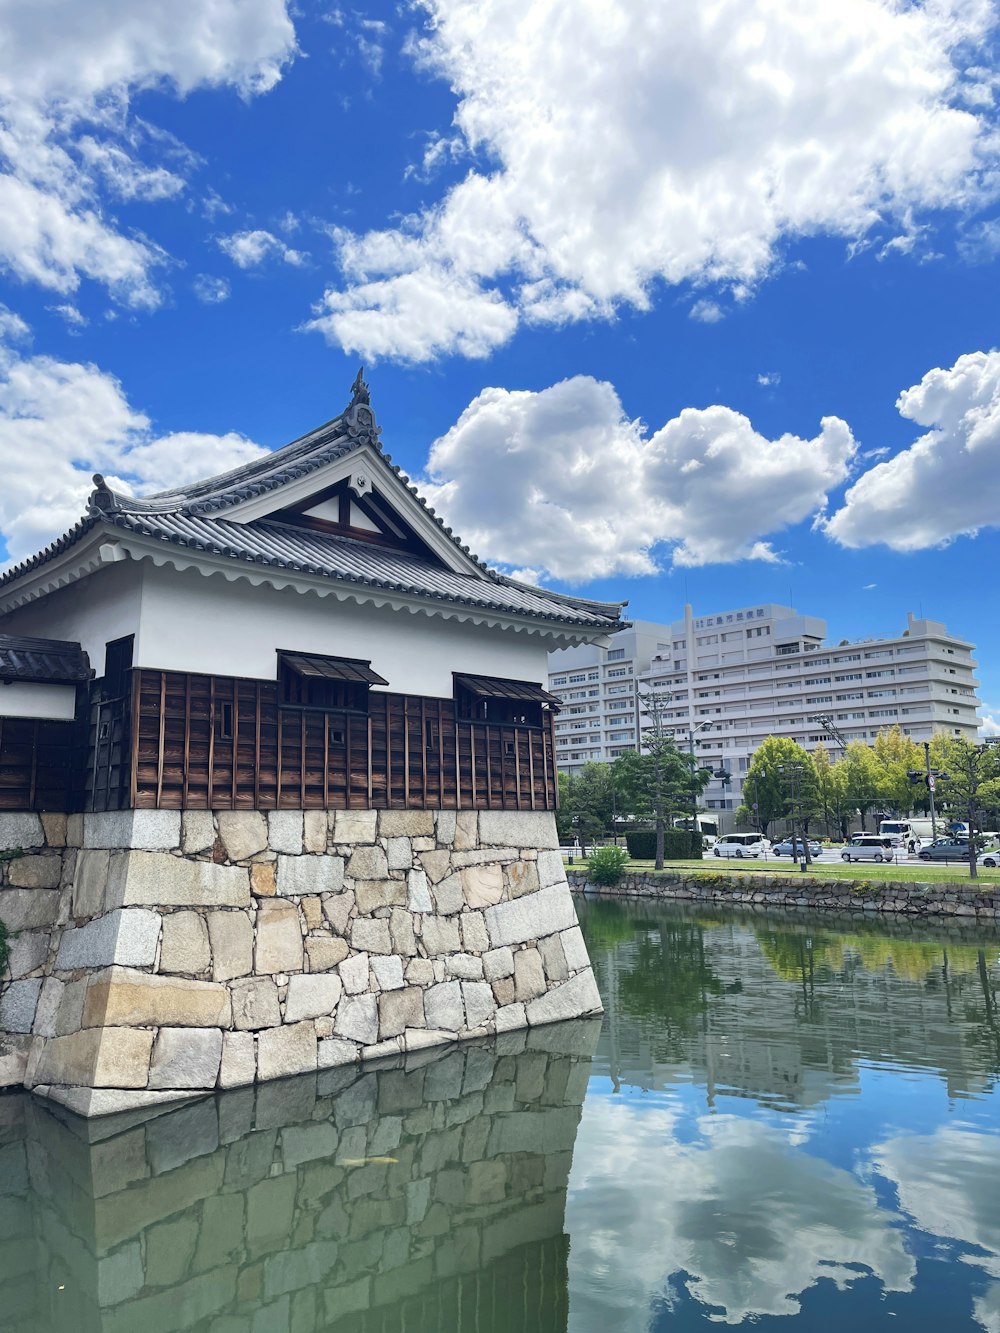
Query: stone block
point(312, 996)
point(18, 1003)
point(314, 830)
point(399, 853)
point(388, 972)
point(325, 952)
point(69, 1015)
point(311, 908)
point(401, 932)
point(107, 1057)
point(518, 828)
point(480, 1006)
point(529, 975)
point(334, 1052)
point(522, 878)
point(146, 830)
point(27, 952)
point(185, 945)
point(399, 1010)
point(169, 1250)
point(503, 990)
point(238, 1067)
point(119, 996)
point(498, 963)
point(464, 965)
point(185, 1059)
point(357, 1019)
point(286, 1050)
point(372, 894)
point(74, 831)
point(355, 826)
point(475, 938)
point(531, 917)
point(440, 936)
point(368, 863)
point(483, 885)
point(337, 910)
point(263, 879)
point(436, 865)
point(298, 875)
point(550, 868)
point(575, 949)
point(285, 831)
point(279, 938)
point(120, 1275)
point(20, 830)
point(14, 1052)
point(35, 872)
point(420, 972)
point(370, 935)
point(128, 936)
point(444, 827)
point(197, 831)
point(510, 1018)
point(231, 935)
point(243, 833)
point(90, 881)
point(443, 1006)
point(553, 959)
point(406, 823)
point(28, 909)
point(55, 827)
point(354, 974)
point(156, 879)
point(255, 1004)
point(572, 999)
point(448, 895)
point(418, 896)
point(466, 830)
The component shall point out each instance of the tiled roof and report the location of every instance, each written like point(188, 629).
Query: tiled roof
point(53, 660)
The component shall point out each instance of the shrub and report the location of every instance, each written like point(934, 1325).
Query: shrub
point(606, 865)
point(678, 844)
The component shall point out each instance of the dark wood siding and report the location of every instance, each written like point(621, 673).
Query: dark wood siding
point(210, 742)
point(40, 764)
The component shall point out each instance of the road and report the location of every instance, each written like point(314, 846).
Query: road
point(833, 856)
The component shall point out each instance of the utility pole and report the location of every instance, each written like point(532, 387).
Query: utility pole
point(794, 771)
point(930, 788)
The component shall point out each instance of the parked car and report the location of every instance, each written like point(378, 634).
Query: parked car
point(870, 847)
point(784, 848)
point(740, 845)
point(990, 858)
point(946, 849)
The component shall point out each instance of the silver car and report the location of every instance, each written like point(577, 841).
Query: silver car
point(875, 848)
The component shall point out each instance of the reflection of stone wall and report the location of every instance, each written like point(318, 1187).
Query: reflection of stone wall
point(423, 1198)
point(163, 954)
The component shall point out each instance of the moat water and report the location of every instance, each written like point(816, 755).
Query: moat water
point(783, 1121)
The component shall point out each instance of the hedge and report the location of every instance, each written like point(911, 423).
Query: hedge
point(678, 844)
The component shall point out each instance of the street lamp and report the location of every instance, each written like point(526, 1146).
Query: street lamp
point(691, 733)
point(794, 770)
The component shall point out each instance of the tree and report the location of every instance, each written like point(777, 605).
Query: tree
point(587, 804)
point(896, 755)
point(829, 790)
point(972, 786)
point(861, 779)
point(769, 788)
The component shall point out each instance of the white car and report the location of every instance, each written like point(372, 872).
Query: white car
point(990, 858)
point(875, 847)
point(740, 845)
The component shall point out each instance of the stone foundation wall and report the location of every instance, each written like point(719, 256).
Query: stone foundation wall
point(160, 955)
point(426, 1196)
point(955, 898)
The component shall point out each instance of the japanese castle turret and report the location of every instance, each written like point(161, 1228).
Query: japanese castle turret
point(277, 785)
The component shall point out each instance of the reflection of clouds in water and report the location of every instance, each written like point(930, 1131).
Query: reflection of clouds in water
point(750, 1220)
point(946, 1181)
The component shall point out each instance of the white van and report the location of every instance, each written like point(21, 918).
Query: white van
point(740, 845)
point(869, 847)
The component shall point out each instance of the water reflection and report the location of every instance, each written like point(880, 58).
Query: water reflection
point(788, 1117)
point(421, 1198)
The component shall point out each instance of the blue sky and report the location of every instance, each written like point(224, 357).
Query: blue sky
point(639, 288)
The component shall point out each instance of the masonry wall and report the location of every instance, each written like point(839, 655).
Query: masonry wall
point(159, 955)
point(424, 1197)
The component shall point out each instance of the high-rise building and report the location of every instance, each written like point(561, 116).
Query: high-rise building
point(734, 678)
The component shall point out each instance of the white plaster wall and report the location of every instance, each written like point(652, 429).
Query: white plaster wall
point(193, 623)
point(92, 611)
point(27, 698)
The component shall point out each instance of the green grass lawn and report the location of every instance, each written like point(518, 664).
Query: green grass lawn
point(866, 870)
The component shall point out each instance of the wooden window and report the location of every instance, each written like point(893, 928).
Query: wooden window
point(325, 684)
point(514, 703)
point(117, 665)
point(224, 722)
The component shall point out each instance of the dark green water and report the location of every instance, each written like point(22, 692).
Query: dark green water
point(782, 1121)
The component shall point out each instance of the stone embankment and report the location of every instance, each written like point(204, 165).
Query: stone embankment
point(430, 1195)
point(156, 954)
point(757, 889)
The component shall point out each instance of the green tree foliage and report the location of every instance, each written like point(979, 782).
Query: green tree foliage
point(659, 784)
point(896, 755)
point(971, 791)
point(606, 865)
point(829, 791)
point(862, 778)
point(769, 783)
point(587, 804)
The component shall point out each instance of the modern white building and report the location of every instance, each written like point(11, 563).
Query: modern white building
point(743, 675)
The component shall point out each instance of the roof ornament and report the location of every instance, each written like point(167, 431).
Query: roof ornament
point(102, 498)
point(359, 389)
point(359, 419)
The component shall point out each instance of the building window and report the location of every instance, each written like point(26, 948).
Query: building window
point(117, 665)
point(224, 722)
point(514, 703)
point(328, 684)
point(615, 654)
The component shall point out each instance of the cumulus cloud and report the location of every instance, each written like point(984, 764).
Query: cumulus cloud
point(947, 484)
point(62, 421)
point(706, 312)
point(563, 481)
point(990, 725)
point(615, 144)
point(209, 290)
point(68, 144)
point(249, 249)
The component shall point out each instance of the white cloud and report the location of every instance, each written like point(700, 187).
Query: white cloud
point(249, 249)
point(615, 144)
point(209, 290)
point(563, 481)
point(68, 143)
point(62, 421)
point(769, 379)
point(868, 587)
point(990, 725)
point(947, 484)
point(706, 312)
